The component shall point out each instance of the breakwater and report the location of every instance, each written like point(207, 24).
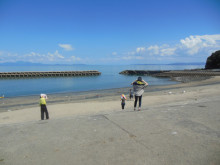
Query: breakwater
point(48, 74)
point(173, 73)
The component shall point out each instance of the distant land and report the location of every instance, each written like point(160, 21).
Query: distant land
point(22, 63)
point(190, 63)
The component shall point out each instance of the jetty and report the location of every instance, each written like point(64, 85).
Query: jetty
point(48, 74)
point(173, 73)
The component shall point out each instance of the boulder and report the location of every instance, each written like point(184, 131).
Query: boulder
point(213, 61)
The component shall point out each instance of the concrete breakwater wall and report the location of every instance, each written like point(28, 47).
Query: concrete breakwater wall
point(173, 73)
point(48, 74)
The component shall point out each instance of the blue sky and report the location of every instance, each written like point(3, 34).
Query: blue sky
point(109, 31)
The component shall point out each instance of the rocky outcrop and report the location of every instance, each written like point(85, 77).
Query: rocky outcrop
point(173, 73)
point(213, 61)
point(140, 72)
point(176, 75)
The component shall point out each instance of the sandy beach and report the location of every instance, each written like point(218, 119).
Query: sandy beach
point(24, 109)
point(178, 124)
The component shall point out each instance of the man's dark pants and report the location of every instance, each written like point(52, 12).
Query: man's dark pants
point(136, 99)
point(44, 110)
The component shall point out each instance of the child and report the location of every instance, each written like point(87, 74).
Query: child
point(123, 98)
point(131, 94)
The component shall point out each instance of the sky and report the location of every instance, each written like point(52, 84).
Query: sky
point(106, 32)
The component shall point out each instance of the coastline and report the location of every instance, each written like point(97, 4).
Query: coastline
point(23, 102)
point(90, 102)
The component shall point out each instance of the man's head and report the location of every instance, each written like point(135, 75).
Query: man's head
point(139, 79)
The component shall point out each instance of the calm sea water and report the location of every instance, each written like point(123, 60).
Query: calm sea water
point(110, 78)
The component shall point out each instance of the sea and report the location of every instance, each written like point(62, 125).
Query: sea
point(109, 78)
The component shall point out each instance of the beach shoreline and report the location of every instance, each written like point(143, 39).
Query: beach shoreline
point(60, 105)
point(29, 101)
point(23, 102)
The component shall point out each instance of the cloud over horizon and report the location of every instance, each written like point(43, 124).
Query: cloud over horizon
point(193, 44)
point(53, 58)
point(66, 47)
point(190, 46)
point(190, 49)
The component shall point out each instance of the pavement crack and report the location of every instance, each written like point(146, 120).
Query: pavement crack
point(129, 133)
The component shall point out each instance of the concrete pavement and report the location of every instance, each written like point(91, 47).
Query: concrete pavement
point(183, 133)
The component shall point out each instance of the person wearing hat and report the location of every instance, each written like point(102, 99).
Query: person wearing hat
point(138, 88)
point(43, 107)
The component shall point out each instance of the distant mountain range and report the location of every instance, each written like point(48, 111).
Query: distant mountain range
point(22, 63)
point(190, 63)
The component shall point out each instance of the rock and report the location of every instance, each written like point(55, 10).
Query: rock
point(213, 61)
point(140, 72)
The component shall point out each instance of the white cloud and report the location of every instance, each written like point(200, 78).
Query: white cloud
point(128, 57)
point(53, 58)
point(164, 50)
point(167, 51)
point(66, 47)
point(132, 58)
point(154, 50)
point(140, 50)
point(114, 53)
point(133, 55)
point(199, 46)
point(33, 57)
point(74, 58)
point(33, 54)
point(194, 44)
point(142, 53)
point(56, 54)
point(129, 53)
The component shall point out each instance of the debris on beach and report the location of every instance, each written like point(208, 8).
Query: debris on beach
point(174, 133)
point(170, 92)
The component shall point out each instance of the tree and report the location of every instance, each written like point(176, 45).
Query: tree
point(213, 61)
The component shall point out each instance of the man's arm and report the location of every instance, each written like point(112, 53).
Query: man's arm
point(133, 82)
point(146, 84)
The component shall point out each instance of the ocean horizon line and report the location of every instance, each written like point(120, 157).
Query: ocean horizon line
point(23, 63)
